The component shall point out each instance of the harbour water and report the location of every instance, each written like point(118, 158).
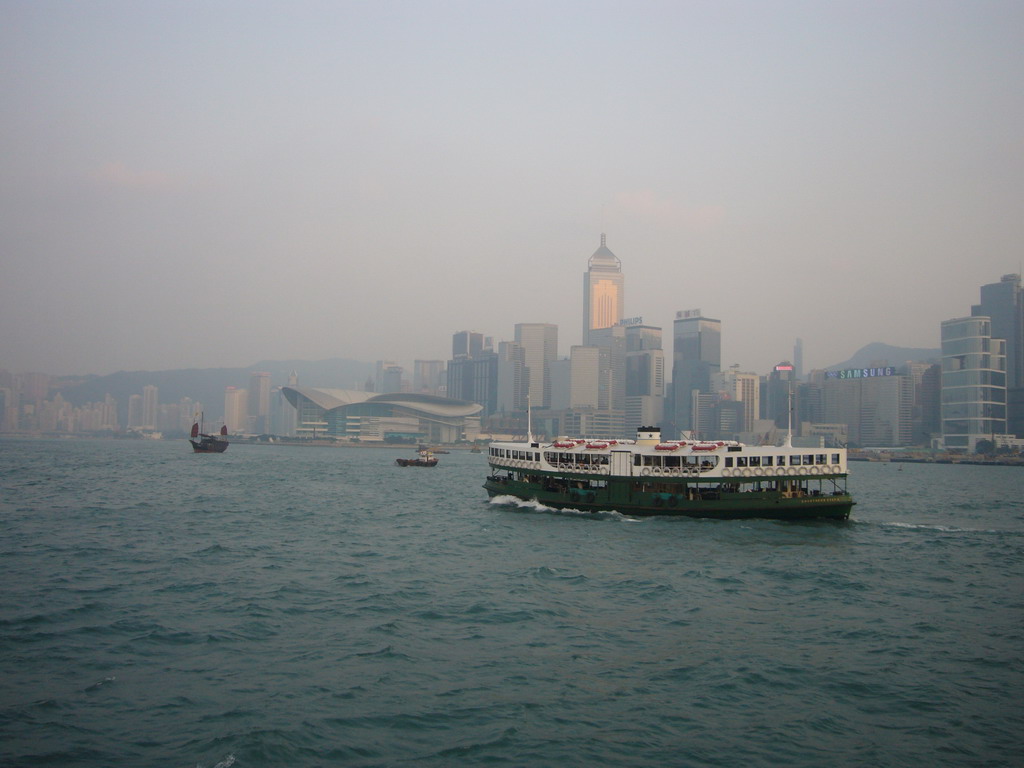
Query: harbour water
point(294, 606)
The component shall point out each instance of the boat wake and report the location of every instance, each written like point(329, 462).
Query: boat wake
point(535, 506)
point(939, 528)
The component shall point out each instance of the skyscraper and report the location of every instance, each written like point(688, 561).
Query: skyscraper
point(540, 348)
point(603, 291)
point(645, 377)
point(428, 377)
point(696, 355)
point(736, 386)
point(150, 403)
point(1003, 302)
point(511, 378)
point(389, 377)
point(467, 344)
point(472, 372)
point(475, 379)
point(973, 382)
point(259, 402)
point(135, 411)
point(588, 388)
point(235, 409)
point(613, 370)
point(781, 386)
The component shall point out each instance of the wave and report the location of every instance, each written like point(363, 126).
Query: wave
point(532, 505)
point(943, 528)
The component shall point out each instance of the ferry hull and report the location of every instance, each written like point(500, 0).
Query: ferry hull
point(684, 502)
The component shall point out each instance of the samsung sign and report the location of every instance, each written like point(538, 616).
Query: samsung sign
point(861, 373)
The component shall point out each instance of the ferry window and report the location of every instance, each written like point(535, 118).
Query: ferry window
point(636, 460)
point(766, 461)
point(794, 461)
point(808, 459)
point(741, 461)
point(536, 456)
point(672, 461)
point(755, 461)
point(782, 461)
point(835, 458)
point(819, 458)
point(728, 461)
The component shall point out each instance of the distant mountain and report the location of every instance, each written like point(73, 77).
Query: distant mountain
point(879, 354)
point(207, 385)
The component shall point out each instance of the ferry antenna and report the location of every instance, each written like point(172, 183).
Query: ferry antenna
point(789, 425)
point(529, 417)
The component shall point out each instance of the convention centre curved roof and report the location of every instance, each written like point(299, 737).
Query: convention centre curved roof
point(432, 405)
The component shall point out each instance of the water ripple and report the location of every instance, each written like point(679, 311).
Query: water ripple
point(308, 607)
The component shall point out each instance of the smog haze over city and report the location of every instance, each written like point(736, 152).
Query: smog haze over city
point(190, 185)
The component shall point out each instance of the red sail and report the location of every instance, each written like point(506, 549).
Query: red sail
point(224, 429)
point(195, 429)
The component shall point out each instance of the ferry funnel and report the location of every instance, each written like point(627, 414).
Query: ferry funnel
point(648, 435)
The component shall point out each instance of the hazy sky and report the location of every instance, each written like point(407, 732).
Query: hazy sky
point(206, 184)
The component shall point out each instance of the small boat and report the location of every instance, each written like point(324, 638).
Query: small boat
point(423, 459)
point(204, 443)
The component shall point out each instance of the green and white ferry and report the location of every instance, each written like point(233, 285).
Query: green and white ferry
point(648, 476)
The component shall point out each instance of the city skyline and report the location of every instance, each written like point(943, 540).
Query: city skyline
point(785, 353)
point(610, 388)
point(203, 187)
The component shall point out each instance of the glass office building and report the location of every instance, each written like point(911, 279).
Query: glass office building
point(603, 292)
point(696, 357)
point(973, 382)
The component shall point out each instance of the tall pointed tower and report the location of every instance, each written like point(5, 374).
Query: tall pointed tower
point(603, 290)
